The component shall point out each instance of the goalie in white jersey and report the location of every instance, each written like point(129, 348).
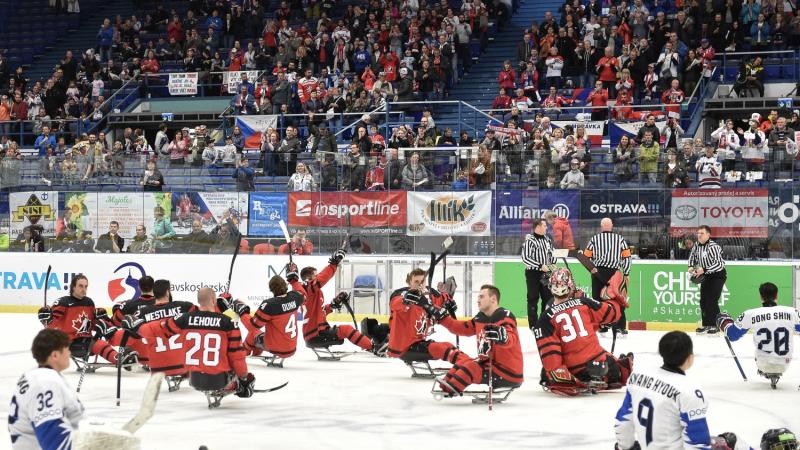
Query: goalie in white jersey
point(664, 409)
point(772, 326)
point(45, 411)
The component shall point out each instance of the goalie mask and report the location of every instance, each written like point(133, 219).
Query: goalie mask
point(561, 283)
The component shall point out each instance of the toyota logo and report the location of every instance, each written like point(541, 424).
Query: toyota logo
point(686, 212)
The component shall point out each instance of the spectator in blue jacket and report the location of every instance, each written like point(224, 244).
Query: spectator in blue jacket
point(243, 102)
point(214, 22)
point(361, 58)
point(760, 32)
point(244, 176)
point(45, 140)
point(105, 39)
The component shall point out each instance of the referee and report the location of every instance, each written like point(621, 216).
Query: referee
point(609, 252)
point(706, 259)
point(537, 254)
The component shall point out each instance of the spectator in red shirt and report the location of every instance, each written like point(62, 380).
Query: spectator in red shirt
point(507, 77)
point(299, 245)
point(623, 108)
point(598, 97)
point(19, 110)
point(502, 101)
point(389, 61)
point(553, 100)
point(150, 64)
point(607, 68)
point(673, 97)
point(175, 29)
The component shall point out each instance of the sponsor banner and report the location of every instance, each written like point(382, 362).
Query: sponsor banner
point(4, 235)
point(92, 211)
point(183, 83)
point(254, 126)
point(729, 212)
point(231, 80)
point(333, 212)
point(113, 278)
point(661, 292)
point(266, 210)
point(594, 128)
point(616, 129)
point(210, 208)
point(515, 210)
point(449, 213)
point(784, 208)
point(38, 208)
point(596, 204)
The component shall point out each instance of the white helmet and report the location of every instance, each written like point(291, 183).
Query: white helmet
point(561, 282)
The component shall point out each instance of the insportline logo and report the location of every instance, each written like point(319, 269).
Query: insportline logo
point(303, 208)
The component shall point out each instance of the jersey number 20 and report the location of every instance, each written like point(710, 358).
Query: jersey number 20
point(779, 338)
point(210, 344)
point(569, 324)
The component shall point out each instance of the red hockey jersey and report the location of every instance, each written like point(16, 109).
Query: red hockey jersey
point(316, 312)
point(278, 317)
point(73, 316)
point(120, 310)
point(164, 355)
point(409, 324)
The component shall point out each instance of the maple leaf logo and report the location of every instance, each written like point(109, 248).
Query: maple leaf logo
point(421, 326)
point(81, 323)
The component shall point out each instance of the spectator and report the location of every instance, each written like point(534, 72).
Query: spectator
point(281, 93)
point(688, 156)
point(727, 144)
point(507, 77)
point(482, 169)
point(354, 170)
point(243, 102)
point(623, 157)
point(244, 176)
point(162, 233)
point(31, 239)
point(45, 140)
point(289, 147)
point(393, 172)
point(269, 148)
point(672, 132)
point(299, 245)
point(301, 180)
point(197, 241)
point(140, 242)
point(586, 62)
point(69, 168)
point(599, 98)
point(573, 179)
point(649, 151)
point(649, 125)
point(675, 173)
point(760, 34)
point(779, 137)
point(328, 176)
point(607, 67)
point(561, 230)
point(178, 149)
point(750, 76)
point(152, 180)
point(110, 242)
point(709, 169)
point(415, 175)
point(375, 177)
point(104, 40)
point(228, 153)
point(672, 98)
point(753, 147)
point(650, 83)
point(47, 165)
point(554, 63)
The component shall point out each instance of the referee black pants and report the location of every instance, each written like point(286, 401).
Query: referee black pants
point(710, 291)
point(606, 273)
point(536, 289)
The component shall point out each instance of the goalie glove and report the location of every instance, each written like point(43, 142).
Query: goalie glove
point(337, 257)
point(340, 300)
point(131, 324)
point(724, 320)
point(245, 386)
point(45, 315)
point(495, 333)
point(292, 274)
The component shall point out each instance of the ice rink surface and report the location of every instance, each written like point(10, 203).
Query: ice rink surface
point(365, 402)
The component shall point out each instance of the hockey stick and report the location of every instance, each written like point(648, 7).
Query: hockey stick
point(46, 280)
point(122, 343)
point(149, 400)
point(233, 261)
point(83, 369)
point(436, 259)
point(491, 380)
point(735, 358)
point(287, 237)
point(446, 245)
point(260, 391)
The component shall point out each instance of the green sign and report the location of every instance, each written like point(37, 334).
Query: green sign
point(661, 292)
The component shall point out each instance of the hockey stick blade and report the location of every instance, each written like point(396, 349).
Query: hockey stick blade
point(286, 236)
point(233, 260)
point(148, 407)
point(46, 282)
point(272, 389)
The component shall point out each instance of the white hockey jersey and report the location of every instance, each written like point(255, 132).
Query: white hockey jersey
point(662, 410)
point(772, 332)
point(44, 411)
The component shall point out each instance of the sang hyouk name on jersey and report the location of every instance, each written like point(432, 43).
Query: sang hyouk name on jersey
point(654, 384)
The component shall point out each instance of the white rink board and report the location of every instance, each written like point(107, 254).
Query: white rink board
point(22, 275)
point(364, 402)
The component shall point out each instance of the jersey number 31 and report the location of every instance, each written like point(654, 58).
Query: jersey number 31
point(569, 324)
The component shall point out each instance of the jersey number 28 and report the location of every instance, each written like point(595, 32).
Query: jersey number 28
point(569, 324)
point(210, 345)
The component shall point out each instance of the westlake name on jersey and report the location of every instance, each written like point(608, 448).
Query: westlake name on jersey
point(164, 355)
point(664, 410)
point(772, 332)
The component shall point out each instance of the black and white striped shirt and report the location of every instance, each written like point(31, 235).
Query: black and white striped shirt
point(609, 249)
point(537, 252)
point(708, 256)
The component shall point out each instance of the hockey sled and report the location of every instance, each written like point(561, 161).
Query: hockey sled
point(501, 389)
point(420, 366)
point(321, 348)
point(87, 366)
point(270, 359)
point(772, 377)
point(218, 386)
point(174, 382)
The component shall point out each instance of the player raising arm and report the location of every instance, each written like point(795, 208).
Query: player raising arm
point(772, 326)
point(44, 411)
point(568, 346)
point(663, 408)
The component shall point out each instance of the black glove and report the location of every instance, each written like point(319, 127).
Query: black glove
point(103, 329)
point(241, 308)
point(337, 257)
point(245, 388)
point(414, 297)
point(292, 274)
point(45, 315)
point(496, 333)
point(100, 314)
point(131, 324)
point(437, 314)
point(340, 299)
point(116, 307)
point(635, 446)
point(724, 320)
point(224, 302)
point(450, 306)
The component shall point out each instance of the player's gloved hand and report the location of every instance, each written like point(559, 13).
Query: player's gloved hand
point(636, 446)
point(413, 297)
point(561, 375)
point(437, 314)
point(100, 314)
point(724, 320)
point(292, 274)
point(131, 324)
point(245, 388)
point(337, 257)
point(340, 300)
point(450, 306)
point(224, 302)
point(496, 333)
point(45, 315)
point(116, 307)
point(102, 329)
point(725, 441)
point(560, 381)
point(241, 308)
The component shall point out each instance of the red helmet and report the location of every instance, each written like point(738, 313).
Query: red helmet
point(561, 282)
